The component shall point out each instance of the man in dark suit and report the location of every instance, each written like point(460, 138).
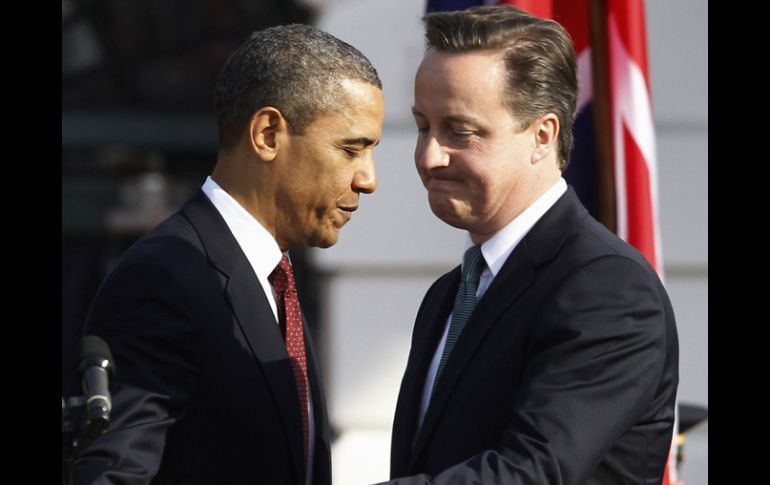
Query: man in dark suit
point(550, 356)
point(208, 389)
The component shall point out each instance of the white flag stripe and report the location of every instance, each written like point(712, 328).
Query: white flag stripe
point(631, 96)
point(632, 107)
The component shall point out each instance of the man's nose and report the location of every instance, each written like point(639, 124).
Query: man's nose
point(365, 178)
point(429, 154)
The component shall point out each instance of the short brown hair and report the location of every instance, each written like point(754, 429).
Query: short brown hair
point(539, 59)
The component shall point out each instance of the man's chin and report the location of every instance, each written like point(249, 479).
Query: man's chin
point(449, 216)
point(327, 240)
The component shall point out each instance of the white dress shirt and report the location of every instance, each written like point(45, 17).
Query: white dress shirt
point(255, 241)
point(495, 252)
point(263, 254)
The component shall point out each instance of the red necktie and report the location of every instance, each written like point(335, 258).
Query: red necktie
point(290, 318)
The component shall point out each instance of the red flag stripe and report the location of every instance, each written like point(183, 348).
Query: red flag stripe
point(574, 16)
point(634, 145)
point(629, 15)
point(632, 111)
point(540, 8)
point(638, 204)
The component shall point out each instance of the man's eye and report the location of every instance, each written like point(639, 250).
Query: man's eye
point(351, 152)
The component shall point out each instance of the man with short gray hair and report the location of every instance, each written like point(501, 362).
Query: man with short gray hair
point(217, 380)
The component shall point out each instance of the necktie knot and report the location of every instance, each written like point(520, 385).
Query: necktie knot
point(473, 265)
point(282, 277)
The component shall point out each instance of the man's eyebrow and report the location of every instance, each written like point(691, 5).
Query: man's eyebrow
point(449, 119)
point(360, 141)
point(461, 120)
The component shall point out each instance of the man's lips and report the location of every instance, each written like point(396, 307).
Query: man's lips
point(436, 182)
point(347, 211)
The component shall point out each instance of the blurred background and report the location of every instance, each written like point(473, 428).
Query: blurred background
point(139, 137)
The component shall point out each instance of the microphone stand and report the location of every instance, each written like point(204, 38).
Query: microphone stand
point(93, 409)
point(74, 441)
point(67, 427)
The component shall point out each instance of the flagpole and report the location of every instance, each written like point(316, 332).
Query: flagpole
point(605, 173)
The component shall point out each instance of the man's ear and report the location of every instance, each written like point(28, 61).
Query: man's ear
point(546, 132)
point(265, 127)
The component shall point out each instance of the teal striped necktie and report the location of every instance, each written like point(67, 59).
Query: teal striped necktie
point(465, 302)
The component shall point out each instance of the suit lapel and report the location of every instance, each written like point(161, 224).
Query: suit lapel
point(540, 245)
point(321, 471)
point(429, 326)
point(263, 335)
point(254, 315)
point(501, 294)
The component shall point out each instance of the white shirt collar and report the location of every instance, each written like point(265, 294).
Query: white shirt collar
point(497, 248)
point(257, 243)
point(263, 254)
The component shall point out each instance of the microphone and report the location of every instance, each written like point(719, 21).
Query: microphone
point(96, 367)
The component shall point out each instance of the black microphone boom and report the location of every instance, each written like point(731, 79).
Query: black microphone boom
point(96, 366)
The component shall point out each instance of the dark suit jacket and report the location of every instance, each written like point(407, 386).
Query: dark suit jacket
point(566, 372)
point(204, 391)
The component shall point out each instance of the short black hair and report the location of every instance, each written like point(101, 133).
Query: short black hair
point(294, 68)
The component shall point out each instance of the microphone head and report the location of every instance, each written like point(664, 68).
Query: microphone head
point(95, 352)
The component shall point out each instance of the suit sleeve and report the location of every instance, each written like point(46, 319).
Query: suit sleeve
point(144, 315)
point(595, 360)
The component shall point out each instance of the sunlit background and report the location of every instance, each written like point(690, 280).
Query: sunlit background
point(139, 136)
